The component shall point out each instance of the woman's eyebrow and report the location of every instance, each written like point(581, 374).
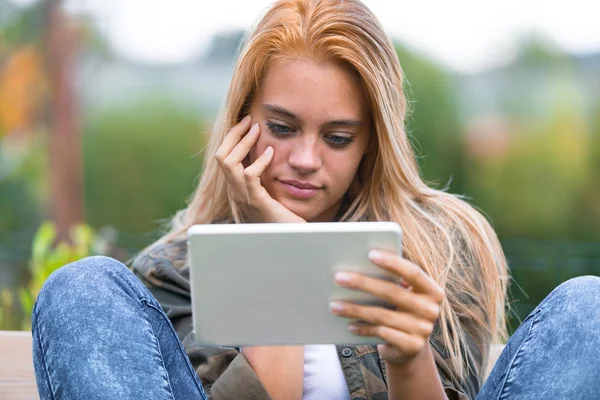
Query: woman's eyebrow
point(345, 122)
point(280, 110)
point(289, 114)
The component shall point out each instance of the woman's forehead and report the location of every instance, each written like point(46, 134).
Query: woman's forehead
point(307, 87)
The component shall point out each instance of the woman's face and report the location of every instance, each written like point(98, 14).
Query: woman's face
point(316, 118)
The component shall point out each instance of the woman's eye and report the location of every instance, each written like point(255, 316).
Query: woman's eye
point(278, 130)
point(338, 141)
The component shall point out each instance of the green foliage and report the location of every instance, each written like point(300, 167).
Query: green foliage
point(539, 51)
point(21, 178)
point(537, 267)
point(46, 257)
point(543, 186)
point(590, 193)
point(20, 24)
point(18, 208)
point(7, 309)
point(433, 119)
point(141, 164)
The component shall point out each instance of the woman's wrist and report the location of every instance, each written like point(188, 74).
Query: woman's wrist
point(413, 366)
point(415, 379)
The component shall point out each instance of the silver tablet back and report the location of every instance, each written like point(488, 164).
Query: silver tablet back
point(271, 284)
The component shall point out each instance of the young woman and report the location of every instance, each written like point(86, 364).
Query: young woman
point(313, 130)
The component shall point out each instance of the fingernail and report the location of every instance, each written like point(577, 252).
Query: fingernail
point(375, 255)
point(353, 328)
point(342, 278)
point(335, 307)
point(246, 118)
point(269, 150)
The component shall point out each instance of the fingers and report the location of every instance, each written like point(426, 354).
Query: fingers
point(233, 138)
point(405, 343)
point(245, 181)
point(261, 163)
point(403, 299)
point(378, 316)
point(243, 147)
point(405, 334)
point(234, 150)
point(409, 272)
point(253, 172)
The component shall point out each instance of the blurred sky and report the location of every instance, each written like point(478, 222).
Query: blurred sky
point(466, 35)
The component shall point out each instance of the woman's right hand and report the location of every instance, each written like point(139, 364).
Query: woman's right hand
point(244, 182)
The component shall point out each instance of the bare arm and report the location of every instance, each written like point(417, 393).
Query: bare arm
point(279, 368)
point(418, 379)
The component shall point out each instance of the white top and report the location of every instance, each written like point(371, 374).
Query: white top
point(323, 376)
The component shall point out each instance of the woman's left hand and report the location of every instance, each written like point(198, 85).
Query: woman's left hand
point(405, 329)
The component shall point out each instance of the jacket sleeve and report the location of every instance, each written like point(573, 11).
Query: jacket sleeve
point(224, 371)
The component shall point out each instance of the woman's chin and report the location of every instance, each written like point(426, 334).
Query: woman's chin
point(306, 211)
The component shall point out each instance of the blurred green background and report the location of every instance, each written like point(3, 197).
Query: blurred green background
point(89, 137)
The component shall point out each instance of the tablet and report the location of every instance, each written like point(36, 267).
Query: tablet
point(271, 284)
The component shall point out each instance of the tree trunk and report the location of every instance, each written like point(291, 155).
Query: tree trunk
point(65, 141)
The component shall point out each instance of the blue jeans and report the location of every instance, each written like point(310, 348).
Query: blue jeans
point(555, 352)
point(98, 333)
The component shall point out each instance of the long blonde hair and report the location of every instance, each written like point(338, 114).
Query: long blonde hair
point(447, 237)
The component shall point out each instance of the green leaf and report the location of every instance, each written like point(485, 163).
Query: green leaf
point(59, 256)
point(26, 298)
point(83, 237)
point(42, 243)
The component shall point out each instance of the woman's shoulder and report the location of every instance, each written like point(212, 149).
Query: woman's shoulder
point(163, 258)
point(168, 254)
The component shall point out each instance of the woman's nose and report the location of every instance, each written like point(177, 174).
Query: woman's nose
point(305, 156)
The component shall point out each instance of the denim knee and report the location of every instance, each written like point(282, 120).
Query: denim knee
point(577, 297)
point(583, 289)
point(83, 279)
point(555, 351)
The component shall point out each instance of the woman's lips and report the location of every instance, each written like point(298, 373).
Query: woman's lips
point(301, 190)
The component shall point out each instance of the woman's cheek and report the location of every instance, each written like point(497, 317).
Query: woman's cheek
point(264, 140)
point(259, 147)
point(253, 154)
